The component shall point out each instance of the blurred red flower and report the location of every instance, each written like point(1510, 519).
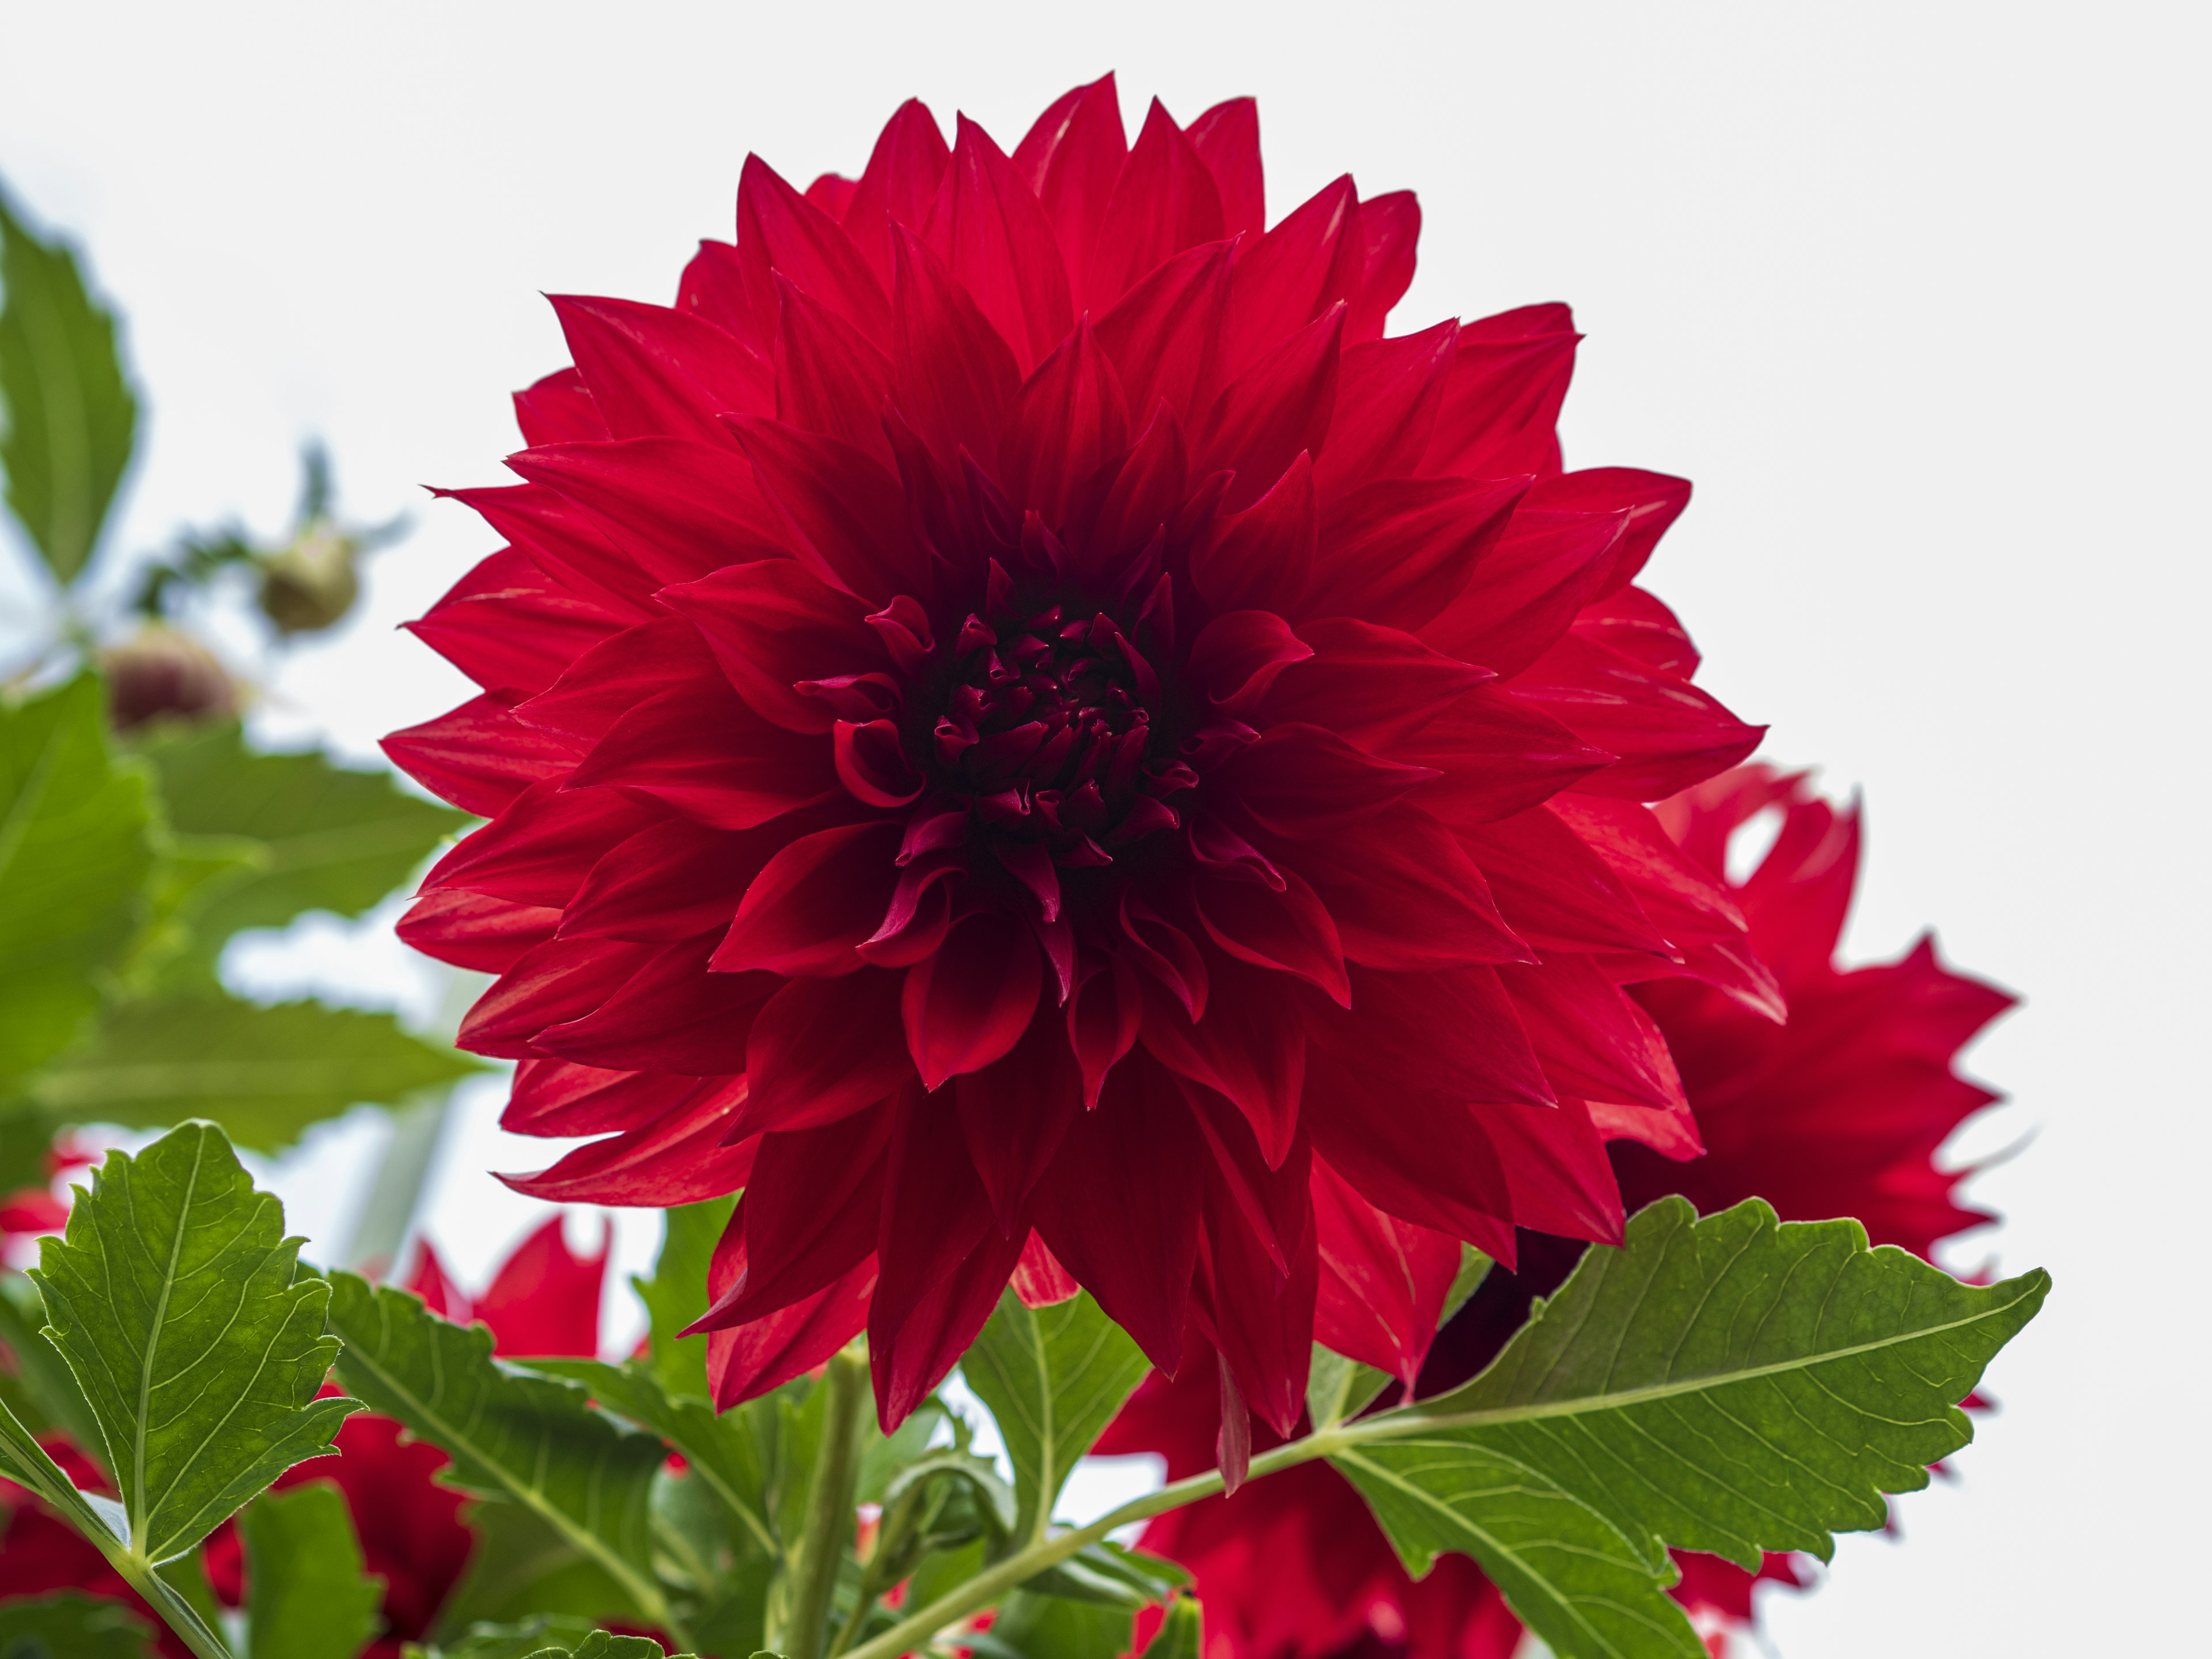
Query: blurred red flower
point(1015, 720)
point(1838, 1112)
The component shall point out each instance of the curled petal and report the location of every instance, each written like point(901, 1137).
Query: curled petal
point(970, 1003)
point(813, 902)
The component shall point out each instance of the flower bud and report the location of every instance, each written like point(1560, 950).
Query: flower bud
point(162, 672)
point(311, 584)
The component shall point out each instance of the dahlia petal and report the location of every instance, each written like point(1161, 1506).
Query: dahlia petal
point(1501, 407)
point(713, 287)
point(1390, 227)
point(1288, 276)
point(1164, 334)
point(872, 763)
point(1102, 1015)
point(701, 751)
point(1388, 393)
point(558, 410)
point(1232, 1442)
point(676, 1158)
point(1555, 891)
point(1263, 555)
point(843, 515)
point(658, 372)
point(680, 509)
point(1667, 733)
point(1120, 1206)
point(1680, 897)
point(1382, 1281)
point(1258, 1313)
point(471, 930)
point(780, 230)
point(1237, 655)
point(1401, 550)
point(1289, 930)
point(1038, 1279)
point(1372, 686)
point(1404, 896)
point(1454, 1033)
point(541, 848)
point(1800, 893)
point(756, 1359)
point(1590, 1038)
point(956, 379)
point(822, 1050)
point(813, 902)
point(1251, 1047)
point(510, 628)
point(1227, 139)
point(970, 1003)
point(906, 1363)
point(435, 1286)
point(934, 1209)
point(568, 545)
point(556, 982)
point(833, 193)
point(809, 1214)
point(772, 625)
point(611, 678)
point(1015, 1111)
point(1280, 406)
point(560, 1097)
point(1000, 248)
point(1653, 500)
point(900, 182)
point(1165, 952)
point(828, 378)
point(544, 1300)
point(1555, 1161)
point(670, 881)
point(1067, 423)
point(1528, 588)
point(1499, 754)
point(1631, 621)
point(1673, 1134)
point(478, 757)
point(1071, 157)
point(1273, 1198)
point(672, 1015)
point(1165, 201)
point(1304, 782)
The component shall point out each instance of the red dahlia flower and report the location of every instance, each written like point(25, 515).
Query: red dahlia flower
point(1015, 720)
point(1838, 1112)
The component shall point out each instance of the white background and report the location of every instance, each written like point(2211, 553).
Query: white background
point(1915, 293)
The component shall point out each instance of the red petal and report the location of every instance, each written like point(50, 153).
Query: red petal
point(1014, 1112)
point(1001, 247)
point(479, 756)
point(822, 1050)
point(568, 543)
point(1237, 655)
point(809, 1214)
point(1453, 1033)
point(559, 410)
point(670, 881)
point(1382, 1280)
point(470, 930)
point(1165, 335)
point(1102, 1015)
point(970, 1003)
point(1290, 931)
point(1068, 422)
point(1509, 378)
point(1389, 226)
point(910, 1361)
point(713, 287)
point(833, 193)
point(1591, 1040)
point(559, 1097)
point(1288, 276)
point(756, 1359)
point(1388, 393)
point(956, 377)
point(1554, 890)
point(510, 628)
point(1251, 1046)
point(1371, 686)
point(559, 981)
point(678, 508)
point(1071, 158)
point(1280, 406)
point(540, 849)
point(1401, 550)
point(1227, 139)
point(1403, 896)
point(829, 379)
point(676, 1158)
point(813, 902)
point(1499, 755)
point(1265, 555)
point(1667, 733)
point(1164, 201)
point(1040, 1280)
point(1303, 782)
point(843, 515)
point(672, 1015)
point(612, 677)
point(900, 183)
point(1528, 586)
point(1682, 899)
point(1631, 621)
point(1259, 1314)
point(545, 1300)
point(701, 751)
point(1562, 1181)
point(1653, 500)
point(771, 624)
point(655, 373)
point(780, 230)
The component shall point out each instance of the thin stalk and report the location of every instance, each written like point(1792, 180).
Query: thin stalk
point(830, 1512)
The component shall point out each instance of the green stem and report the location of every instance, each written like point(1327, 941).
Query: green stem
point(830, 1512)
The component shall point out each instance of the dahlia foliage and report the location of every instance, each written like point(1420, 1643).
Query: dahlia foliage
point(1020, 728)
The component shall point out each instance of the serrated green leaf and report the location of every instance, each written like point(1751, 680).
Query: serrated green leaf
point(1338, 1387)
point(1053, 1377)
point(310, 1599)
point(533, 1440)
point(602, 1644)
point(265, 1073)
point(677, 1293)
point(74, 858)
point(332, 838)
point(1181, 1634)
point(1730, 1385)
point(1113, 1574)
point(173, 1297)
point(71, 419)
point(518, 1640)
point(43, 1373)
point(1030, 1627)
point(70, 1625)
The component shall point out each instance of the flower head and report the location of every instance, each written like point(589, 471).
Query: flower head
point(1018, 723)
point(1838, 1113)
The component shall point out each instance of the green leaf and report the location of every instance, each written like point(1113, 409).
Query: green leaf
point(310, 1599)
point(330, 838)
point(600, 1645)
point(1030, 1627)
point(70, 416)
point(74, 856)
point(1181, 1634)
point(533, 1440)
point(487, 1640)
point(677, 1293)
point(70, 1625)
point(173, 1298)
point(44, 1374)
point(1053, 1377)
point(265, 1073)
point(1730, 1385)
point(522, 1570)
point(1113, 1574)
point(1338, 1388)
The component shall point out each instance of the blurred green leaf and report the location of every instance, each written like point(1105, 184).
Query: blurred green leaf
point(1337, 1386)
point(173, 1298)
point(1113, 1574)
point(1182, 1633)
point(601, 1644)
point(332, 838)
point(70, 1625)
point(1053, 1377)
point(265, 1073)
point(43, 1375)
point(521, 1572)
point(70, 418)
point(310, 1599)
point(486, 1639)
point(677, 1293)
point(1030, 1627)
point(74, 856)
